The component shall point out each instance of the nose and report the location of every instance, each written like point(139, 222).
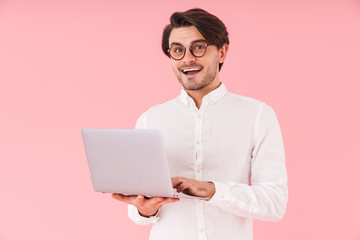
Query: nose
point(188, 57)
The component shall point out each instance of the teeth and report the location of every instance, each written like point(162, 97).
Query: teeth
point(190, 69)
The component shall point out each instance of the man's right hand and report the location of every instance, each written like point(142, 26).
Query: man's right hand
point(147, 207)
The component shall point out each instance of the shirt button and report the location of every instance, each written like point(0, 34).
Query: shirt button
point(197, 142)
point(199, 116)
point(199, 201)
point(201, 230)
point(222, 197)
point(198, 170)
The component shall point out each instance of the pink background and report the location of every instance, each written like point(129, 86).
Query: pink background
point(66, 65)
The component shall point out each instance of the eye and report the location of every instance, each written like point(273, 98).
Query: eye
point(198, 47)
point(177, 50)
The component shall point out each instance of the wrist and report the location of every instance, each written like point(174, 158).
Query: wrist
point(147, 215)
point(211, 190)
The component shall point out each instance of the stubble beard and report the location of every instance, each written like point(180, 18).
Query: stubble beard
point(192, 85)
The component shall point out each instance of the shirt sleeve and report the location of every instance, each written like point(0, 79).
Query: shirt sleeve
point(133, 212)
point(134, 215)
point(265, 198)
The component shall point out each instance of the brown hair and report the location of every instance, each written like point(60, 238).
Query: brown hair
point(210, 26)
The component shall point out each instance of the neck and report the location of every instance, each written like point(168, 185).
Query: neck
point(197, 95)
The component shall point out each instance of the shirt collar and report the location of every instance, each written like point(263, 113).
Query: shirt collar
point(212, 96)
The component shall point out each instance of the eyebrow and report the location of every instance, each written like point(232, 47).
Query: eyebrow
point(195, 41)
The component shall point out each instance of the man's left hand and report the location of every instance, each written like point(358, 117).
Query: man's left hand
point(193, 187)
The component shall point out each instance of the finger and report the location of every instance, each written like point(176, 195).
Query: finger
point(126, 199)
point(155, 200)
point(119, 194)
point(170, 199)
point(166, 201)
point(143, 199)
point(184, 186)
point(176, 181)
point(140, 198)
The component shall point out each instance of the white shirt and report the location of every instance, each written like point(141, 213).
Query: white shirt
point(233, 141)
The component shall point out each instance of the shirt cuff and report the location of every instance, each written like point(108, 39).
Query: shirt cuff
point(222, 193)
point(140, 220)
point(224, 198)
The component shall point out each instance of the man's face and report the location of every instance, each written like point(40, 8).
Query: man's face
point(207, 66)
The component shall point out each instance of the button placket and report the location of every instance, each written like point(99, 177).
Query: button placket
point(200, 219)
point(198, 167)
point(198, 146)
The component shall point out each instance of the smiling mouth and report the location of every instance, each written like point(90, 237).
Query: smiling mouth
point(190, 71)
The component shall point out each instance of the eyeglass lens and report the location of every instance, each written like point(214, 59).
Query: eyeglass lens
point(197, 49)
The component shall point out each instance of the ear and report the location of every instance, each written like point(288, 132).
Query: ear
point(222, 53)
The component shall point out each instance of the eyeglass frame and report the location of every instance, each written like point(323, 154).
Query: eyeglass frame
point(206, 45)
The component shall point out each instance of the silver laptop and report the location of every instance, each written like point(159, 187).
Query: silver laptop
point(129, 161)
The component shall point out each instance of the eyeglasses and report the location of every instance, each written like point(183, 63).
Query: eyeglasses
point(197, 49)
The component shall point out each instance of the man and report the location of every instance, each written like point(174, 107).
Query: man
point(220, 145)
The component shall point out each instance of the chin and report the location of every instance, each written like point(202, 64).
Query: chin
point(193, 87)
